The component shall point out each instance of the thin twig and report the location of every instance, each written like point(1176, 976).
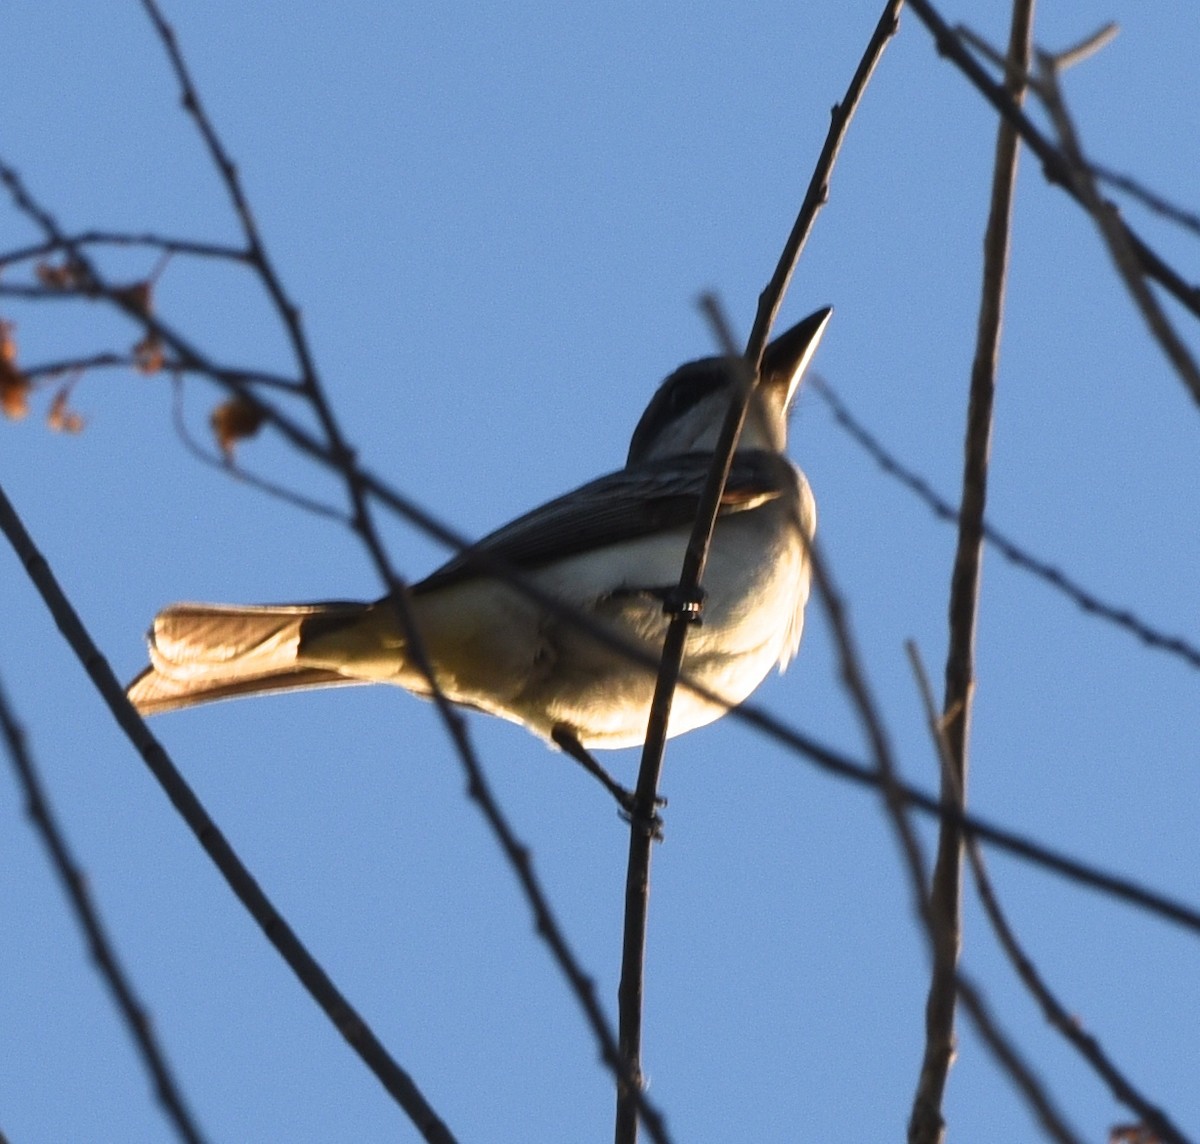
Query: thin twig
point(1082, 176)
point(28, 292)
point(127, 361)
point(51, 370)
point(833, 762)
point(1053, 1009)
point(1083, 50)
point(926, 1125)
point(1019, 557)
point(133, 1013)
point(1020, 1073)
point(687, 605)
point(817, 194)
point(1113, 231)
point(1054, 165)
point(854, 680)
point(226, 466)
point(348, 1022)
point(87, 238)
point(1152, 200)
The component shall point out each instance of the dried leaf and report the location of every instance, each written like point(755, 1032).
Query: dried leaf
point(8, 346)
point(1131, 1134)
point(14, 394)
point(233, 421)
point(148, 354)
point(14, 385)
point(64, 276)
point(61, 418)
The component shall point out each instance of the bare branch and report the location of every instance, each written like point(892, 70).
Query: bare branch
point(348, 1022)
point(685, 608)
point(855, 682)
point(926, 1125)
point(1082, 184)
point(1114, 232)
point(1153, 201)
point(1085, 49)
point(126, 361)
point(88, 238)
point(1054, 165)
point(1018, 1071)
point(1053, 1009)
point(817, 194)
point(1123, 618)
point(231, 469)
point(133, 1013)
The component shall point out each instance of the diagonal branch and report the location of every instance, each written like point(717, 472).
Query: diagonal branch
point(1054, 165)
point(685, 607)
point(133, 1013)
point(348, 1022)
point(1150, 199)
point(1083, 184)
point(1112, 230)
point(817, 194)
point(1121, 617)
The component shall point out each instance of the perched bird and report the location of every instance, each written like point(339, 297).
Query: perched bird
point(612, 549)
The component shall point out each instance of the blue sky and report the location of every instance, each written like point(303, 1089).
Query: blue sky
point(497, 223)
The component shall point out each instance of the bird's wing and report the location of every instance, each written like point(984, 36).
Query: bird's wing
point(651, 497)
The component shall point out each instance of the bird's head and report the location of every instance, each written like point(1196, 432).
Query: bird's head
point(686, 414)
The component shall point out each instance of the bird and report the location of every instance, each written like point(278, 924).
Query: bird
point(611, 549)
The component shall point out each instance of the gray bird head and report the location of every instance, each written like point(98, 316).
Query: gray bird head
point(686, 414)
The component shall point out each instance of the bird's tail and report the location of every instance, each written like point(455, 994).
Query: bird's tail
point(204, 652)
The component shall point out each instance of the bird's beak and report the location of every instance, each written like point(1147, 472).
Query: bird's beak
point(787, 357)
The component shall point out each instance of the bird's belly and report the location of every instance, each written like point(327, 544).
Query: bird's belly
point(749, 624)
